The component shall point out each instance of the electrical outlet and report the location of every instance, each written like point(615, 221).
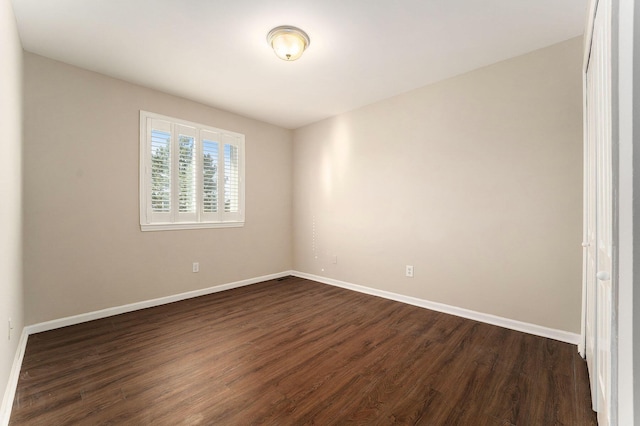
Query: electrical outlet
point(196, 267)
point(409, 271)
point(334, 259)
point(10, 328)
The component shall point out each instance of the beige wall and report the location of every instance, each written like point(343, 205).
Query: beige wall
point(11, 305)
point(476, 181)
point(84, 250)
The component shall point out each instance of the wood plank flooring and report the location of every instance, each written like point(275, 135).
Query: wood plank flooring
point(297, 352)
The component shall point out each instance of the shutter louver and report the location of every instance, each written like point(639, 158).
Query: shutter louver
point(210, 176)
point(160, 171)
point(186, 174)
point(231, 179)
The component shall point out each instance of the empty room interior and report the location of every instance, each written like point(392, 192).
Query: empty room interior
point(305, 212)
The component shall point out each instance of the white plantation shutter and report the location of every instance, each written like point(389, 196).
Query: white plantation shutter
point(232, 177)
point(160, 171)
point(210, 175)
point(191, 175)
point(186, 173)
point(159, 201)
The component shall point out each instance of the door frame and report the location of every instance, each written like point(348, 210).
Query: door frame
point(626, 24)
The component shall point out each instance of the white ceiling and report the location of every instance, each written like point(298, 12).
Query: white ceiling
point(361, 51)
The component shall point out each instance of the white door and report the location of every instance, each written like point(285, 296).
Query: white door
point(591, 318)
point(598, 216)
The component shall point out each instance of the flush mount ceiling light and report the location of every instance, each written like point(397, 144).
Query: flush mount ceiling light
point(288, 42)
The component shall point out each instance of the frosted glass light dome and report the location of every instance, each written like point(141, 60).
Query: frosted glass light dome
point(288, 42)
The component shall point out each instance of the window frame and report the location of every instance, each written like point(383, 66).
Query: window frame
point(174, 219)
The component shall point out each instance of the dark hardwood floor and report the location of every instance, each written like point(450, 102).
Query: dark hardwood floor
point(297, 352)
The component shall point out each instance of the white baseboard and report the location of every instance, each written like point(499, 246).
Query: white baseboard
point(563, 336)
point(90, 316)
point(12, 384)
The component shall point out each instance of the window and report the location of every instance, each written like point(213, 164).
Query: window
point(191, 175)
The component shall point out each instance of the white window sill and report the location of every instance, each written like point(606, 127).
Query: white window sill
point(186, 225)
